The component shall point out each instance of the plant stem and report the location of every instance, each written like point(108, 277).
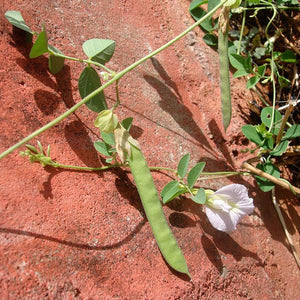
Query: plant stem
point(287, 234)
point(162, 169)
point(85, 168)
point(278, 181)
point(108, 83)
point(82, 60)
point(283, 123)
point(242, 31)
point(272, 64)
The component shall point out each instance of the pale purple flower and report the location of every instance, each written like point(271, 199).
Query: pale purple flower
point(226, 206)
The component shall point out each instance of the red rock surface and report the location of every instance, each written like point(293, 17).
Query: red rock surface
point(81, 235)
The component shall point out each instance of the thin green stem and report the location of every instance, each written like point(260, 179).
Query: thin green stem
point(85, 168)
point(221, 173)
point(268, 7)
point(162, 169)
point(274, 91)
point(108, 83)
point(117, 95)
point(287, 234)
point(242, 30)
point(88, 61)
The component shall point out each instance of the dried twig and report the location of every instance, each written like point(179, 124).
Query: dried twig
point(287, 234)
point(261, 173)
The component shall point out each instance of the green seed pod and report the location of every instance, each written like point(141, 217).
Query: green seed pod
point(155, 215)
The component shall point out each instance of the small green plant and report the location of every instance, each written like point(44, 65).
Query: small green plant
point(265, 136)
point(224, 207)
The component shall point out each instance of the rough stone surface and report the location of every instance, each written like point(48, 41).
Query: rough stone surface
point(81, 235)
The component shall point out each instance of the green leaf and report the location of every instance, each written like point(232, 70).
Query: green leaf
point(252, 82)
point(268, 143)
point(265, 184)
point(210, 39)
point(266, 118)
point(99, 50)
point(283, 81)
point(40, 46)
point(56, 63)
point(183, 165)
point(194, 173)
point(240, 62)
point(280, 148)
point(251, 134)
point(172, 190)
point(261, 70)
point(200, 197)
point(259, 52)
point(126, 123)
point(288, 56)
point(170, 185)
point(240, 73)
point(108, 138)
point(292, 132)
point(89, 81)
point(102, 147)
point(16, 19)
point(197, 13)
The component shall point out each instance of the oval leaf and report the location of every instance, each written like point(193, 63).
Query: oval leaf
point(210, 39)
point(56, 63)
point(126, 123)
point(40, 46)
point(99, 50)
point(89, 81)
point(173, 191)
point(265, 184)
point(200, 197)
point(168, 187)
point(108, 138)
point(183, 165)
point(251, 134)
point(252, 82)
point(292, 132)
point(194, 173)
point(16, 19)
point(280, 148)
point(102, 147)
point(266, 117)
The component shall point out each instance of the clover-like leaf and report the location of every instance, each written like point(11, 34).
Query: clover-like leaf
point(102, 147)
point(252, 81)
point(99, 50)
point(292, 132)
point(56, 63)
point(40, 46)
point(194, 173)
point(183, 165)
point(126, 123)
point(265, 184)
point(251, 134)
point(280, 148)
point(16, 19)
point(89, 81)
point(172, 190)
point(108, 138)
point(266, 118)
point(200, 197)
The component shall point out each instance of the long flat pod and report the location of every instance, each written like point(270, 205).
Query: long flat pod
point(224, 66)
point(153, 208)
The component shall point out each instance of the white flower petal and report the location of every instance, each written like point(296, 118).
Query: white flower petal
point(227, 206)
point(234, 191)
point(220, 220)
